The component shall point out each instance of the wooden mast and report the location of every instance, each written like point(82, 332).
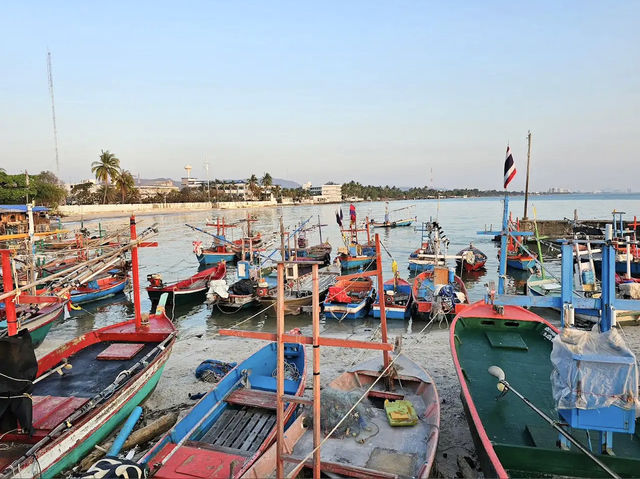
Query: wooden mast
point(526, 188)
point(10, 306)
point(135, 273)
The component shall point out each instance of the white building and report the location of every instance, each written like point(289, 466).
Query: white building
point(327, 193)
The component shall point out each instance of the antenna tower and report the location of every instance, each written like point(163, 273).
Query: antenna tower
point(53, 110)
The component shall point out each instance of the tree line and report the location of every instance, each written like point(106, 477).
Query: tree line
point(117, 185)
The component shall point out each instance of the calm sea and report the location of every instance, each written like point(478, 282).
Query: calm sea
point(461, 219)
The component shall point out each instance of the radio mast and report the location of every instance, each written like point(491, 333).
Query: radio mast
point(53, 111)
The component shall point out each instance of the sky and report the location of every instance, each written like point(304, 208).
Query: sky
point(399, 93)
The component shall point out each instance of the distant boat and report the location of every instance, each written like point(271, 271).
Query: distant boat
point(471, 259)
point(389, 223)
point(234, 423)
point(439, 290)
point(100, 288)
point(432, 251)
point(398, 299)
point(349, 299)
point(187, 290)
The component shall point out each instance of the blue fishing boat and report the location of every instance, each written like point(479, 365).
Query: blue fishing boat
point(349, 299)
point(398, 299)
point(99, 289)
point(432, 251)
point(234, 423)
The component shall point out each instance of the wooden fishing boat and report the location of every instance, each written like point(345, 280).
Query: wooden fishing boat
point(232, 298)
point(432, 251)
point(214, 254)
point(38, 319)
point(354, 257)
point(100, 288)
point(471, 259)
point(393, 224)
point(510, 438)
point(298, 290)
point(437, 291)
point(521, 261)
point(114, 369)
point(188, 290)
point(398, 299)
point(349, 299)
point(233, 424)
point(407, 451)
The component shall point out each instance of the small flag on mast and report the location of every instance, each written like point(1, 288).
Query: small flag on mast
point(509, 168)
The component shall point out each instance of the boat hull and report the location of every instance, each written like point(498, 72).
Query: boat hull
point(521, 264)
point(215, 258)
point(621, 267)
point(519, 340)
point(82, 298)
point(347, 311)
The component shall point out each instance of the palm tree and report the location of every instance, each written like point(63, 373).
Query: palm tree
point(266, 180)
point(107, 167)
point(254, 187)
point(124, 183)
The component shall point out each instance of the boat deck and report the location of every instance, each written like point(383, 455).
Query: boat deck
point(381, 448)
point(88, 375)
point(520, 437)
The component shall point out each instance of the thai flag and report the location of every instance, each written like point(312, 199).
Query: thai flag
point(509, 168)
point(352, 213)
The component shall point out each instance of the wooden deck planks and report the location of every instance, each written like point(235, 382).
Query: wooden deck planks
point(240, 430)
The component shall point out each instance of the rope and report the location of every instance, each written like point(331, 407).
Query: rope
point(364, 395)
point(385, 248)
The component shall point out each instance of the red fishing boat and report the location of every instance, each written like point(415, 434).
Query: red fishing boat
point(471, 259)
point(55, 410)
point(187, 290)
point(439, 290)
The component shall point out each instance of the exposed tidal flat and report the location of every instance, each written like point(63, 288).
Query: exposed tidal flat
point(461, 219)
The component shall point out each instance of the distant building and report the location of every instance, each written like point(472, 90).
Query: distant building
point(327, 193)
point(93, 189)
point(154, 188)
point(14, 219)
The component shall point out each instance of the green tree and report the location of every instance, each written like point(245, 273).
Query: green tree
point(266, 180)
point(125, 183)
point(107, 167)
point(254, 187)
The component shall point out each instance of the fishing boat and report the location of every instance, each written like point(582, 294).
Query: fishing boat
point(349, 298)
point(510, 438)
point(298, 289)
point(432, 250)
point(188, 290)
point(389, 223)
point(471, 259)
point(99, 288)
point(235, 297)
point(354, 254)
point(70, 400)
point(373, 446)
point(398, 299)
point(234, 423)
point(214, 254)
point(439, 291)
point(37, 319)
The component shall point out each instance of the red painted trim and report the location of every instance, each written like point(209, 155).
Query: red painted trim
point(482, 310)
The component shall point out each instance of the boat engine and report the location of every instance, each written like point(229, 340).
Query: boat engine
point(263, 289)
point(155, 280)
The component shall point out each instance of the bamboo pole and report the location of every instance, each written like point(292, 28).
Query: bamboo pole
point(280, 371)
point(317, 436)
point(383, 313)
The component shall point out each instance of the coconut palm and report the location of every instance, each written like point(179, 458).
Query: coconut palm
point(254, 187)
point(124, 183)
point(266, 180)
point(107, 167)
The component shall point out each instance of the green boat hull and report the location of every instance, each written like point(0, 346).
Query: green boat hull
point(38, 335)
point(517, 439)
point(82, 449)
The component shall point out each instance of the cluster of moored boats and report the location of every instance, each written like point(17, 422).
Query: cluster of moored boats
point(380, 418)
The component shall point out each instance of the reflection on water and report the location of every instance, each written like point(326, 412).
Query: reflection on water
point(461, 219)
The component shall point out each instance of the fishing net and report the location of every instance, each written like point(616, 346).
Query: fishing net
point(291, 371)
point(335, 404)
point(212, 370)
point(593, 370)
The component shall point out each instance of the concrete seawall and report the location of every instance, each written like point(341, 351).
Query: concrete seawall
point(76, 210)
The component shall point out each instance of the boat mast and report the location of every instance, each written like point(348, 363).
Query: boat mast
point(526, 188)
point(9, 305)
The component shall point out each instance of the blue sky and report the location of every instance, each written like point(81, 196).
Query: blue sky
point(380, 92)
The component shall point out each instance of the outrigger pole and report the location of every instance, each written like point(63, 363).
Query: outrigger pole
point(316, 341)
